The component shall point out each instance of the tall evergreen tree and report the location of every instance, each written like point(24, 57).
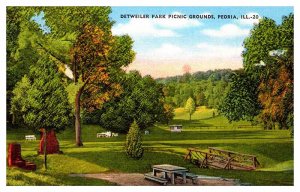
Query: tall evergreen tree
point(133, 143)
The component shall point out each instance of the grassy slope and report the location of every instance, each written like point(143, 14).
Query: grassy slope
point(274, 150)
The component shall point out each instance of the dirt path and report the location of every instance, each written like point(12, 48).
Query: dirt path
point(137, 179)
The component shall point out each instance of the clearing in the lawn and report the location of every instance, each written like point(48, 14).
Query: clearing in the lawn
point(106, 156)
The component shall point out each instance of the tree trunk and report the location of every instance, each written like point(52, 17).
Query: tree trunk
point(77, 118)
point(283, 125)
point(190, 116)
point(45, 149)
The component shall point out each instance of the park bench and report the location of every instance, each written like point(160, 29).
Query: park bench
point(188, 175)
point(151, 177)
point(30, 137)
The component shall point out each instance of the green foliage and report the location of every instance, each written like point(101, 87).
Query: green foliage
point(141, 100)
point(133, 144)
point(208, 93)
point(40, 98)
point(78, 37)
point(241, 102)
point(168, 114)
point(69, 20)
point(269, 57)
point(214, 75)
point(190, 106)
point(263, 39)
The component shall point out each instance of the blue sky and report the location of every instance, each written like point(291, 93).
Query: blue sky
point(164, 46)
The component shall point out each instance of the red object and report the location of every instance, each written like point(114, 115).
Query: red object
point(15, 158)
point(52, 143)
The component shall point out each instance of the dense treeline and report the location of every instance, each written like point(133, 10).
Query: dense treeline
point(206, 88)
point(214, 75)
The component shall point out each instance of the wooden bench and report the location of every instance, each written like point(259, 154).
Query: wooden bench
point(188, 175)
point(101, 135)
point(151, 177)
point(30, 137)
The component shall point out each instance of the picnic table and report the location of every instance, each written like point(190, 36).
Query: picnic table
point(170, 169)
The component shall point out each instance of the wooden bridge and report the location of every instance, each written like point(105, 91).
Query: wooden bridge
point(221, 159)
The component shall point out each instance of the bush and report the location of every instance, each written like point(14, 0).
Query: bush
point(133, 143)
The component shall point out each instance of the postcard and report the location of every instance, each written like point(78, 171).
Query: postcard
point(150, 96)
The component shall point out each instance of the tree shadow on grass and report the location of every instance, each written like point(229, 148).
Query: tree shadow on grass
point(118, 161)
point(252, 178)
point(213, 135)
point(190, 123)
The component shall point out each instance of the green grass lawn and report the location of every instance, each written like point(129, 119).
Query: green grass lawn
point(274, 150)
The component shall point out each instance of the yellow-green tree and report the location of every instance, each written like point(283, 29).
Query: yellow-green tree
point(190, 107)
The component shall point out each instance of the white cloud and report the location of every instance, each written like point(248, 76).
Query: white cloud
point(165, 51)
point(216, 50)
point(205, 50)
point(252, 19)
point(226, 31)
point(168, 59)
point(141, 28)
point(137, 27)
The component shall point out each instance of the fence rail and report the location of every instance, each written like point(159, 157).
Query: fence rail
point(221, 159)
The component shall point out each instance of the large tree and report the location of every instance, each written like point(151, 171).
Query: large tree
point(80, 38)
point(39, 99)
point(241, 102)
point(269, 56)
point(141, 100)
point(20, 51)
point(96, 55)
point(97, 58)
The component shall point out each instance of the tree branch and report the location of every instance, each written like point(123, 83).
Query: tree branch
point(51, 54)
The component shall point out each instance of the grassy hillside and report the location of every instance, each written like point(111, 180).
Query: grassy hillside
point(274, 150)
